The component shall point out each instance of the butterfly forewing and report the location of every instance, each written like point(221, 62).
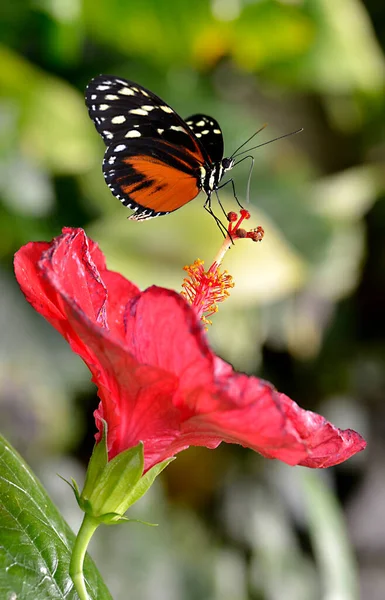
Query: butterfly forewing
point(155, 161)
point(123, 109)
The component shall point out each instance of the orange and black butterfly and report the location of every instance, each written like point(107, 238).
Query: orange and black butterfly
point(155, 161)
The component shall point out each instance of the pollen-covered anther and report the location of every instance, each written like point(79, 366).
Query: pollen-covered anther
point(257, 234)
point(241, 233)
point(205, 289)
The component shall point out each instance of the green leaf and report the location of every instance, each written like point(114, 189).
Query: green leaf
point(329, 537)
point(35, 541)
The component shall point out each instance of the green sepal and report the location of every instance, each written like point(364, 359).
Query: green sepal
point(75, 488)
point(146, 481)
point(97, 464)
point(112, 489)
point(127, 520)
point(73, 485)
point(114, 518)
point(111, 518)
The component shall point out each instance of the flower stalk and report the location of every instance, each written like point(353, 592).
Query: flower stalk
point(76, 570)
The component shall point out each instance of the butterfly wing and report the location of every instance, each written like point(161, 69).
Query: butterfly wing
point(153, 163)
point(209, 134)
point(151, 183)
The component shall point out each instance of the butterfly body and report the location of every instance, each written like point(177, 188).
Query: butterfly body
point(155, 161)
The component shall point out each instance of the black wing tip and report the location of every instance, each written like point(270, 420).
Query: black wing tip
point(108, 78)
point(99, 79)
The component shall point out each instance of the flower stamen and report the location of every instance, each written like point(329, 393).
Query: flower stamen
point(205, 289)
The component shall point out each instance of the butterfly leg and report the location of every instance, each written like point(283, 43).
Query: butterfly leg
point(234, 193)
point(207, 207)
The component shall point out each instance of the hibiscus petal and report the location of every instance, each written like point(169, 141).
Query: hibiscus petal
point(69, 267)
point(275, 426)
point(163, 330)
point(31, 282)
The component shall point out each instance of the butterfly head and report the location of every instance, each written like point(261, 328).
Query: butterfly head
point(227, 164)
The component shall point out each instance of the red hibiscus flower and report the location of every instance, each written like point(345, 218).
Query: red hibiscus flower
point(158, 381)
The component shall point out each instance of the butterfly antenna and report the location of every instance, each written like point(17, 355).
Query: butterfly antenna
point(269, 142)
point(247, 141)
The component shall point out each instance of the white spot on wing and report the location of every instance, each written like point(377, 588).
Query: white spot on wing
point(108, 134)
point(166, 109)
point(120, 147)
point(126, 91)
point(102, 88)
point(178, 128)
point(104, 106)
point(217, 131)
point(93, 97)
point(133, 133)
point(112, 159)
point(147, 107)
point(111, 97)
point(160, 131)
point(198, 135)
point(138, 111)
point(201, 123)
point(118, 119)
point(205, 132)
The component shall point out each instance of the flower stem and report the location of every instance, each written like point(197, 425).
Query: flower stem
point(85, 533)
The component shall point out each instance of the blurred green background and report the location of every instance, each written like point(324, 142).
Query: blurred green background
point(307, 309)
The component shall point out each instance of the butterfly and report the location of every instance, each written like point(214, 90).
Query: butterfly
point(155, 162)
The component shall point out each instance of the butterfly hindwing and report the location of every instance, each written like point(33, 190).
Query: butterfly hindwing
point(209, 134)
point(153, 183)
